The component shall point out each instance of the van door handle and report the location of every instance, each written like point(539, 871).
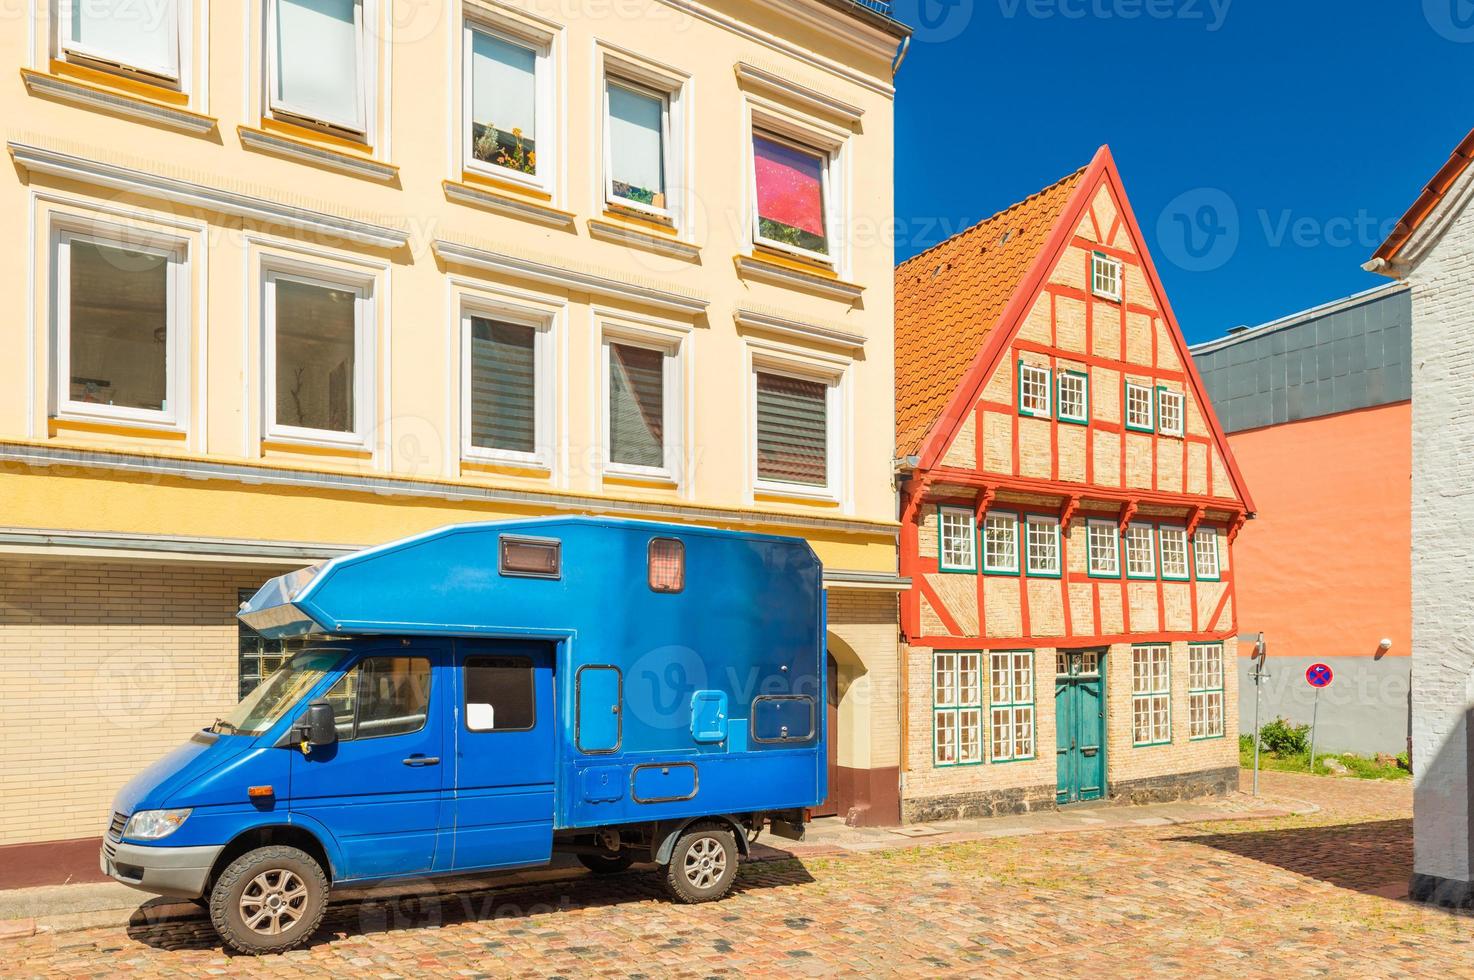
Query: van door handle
point(422, 760)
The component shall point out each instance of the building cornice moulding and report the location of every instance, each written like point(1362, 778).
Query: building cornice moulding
point(801, 329)
point(773, 83)
point(347, 163)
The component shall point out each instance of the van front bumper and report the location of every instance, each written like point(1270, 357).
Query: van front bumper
point(178, 872)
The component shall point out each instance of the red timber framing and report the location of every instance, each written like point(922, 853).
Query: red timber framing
point(1205, 490)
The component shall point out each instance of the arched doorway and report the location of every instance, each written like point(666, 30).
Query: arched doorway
point(831, 806)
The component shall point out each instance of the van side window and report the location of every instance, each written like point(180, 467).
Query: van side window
point(499, 694)
point(382, 696)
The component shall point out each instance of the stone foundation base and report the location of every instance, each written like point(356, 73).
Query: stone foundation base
point(1445, 892)
point(1177, 786)
point(992, 803)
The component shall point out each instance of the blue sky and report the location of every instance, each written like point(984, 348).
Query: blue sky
point(1287, 135)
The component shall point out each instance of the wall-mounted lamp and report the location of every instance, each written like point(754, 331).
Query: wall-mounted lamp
point(1383, 645)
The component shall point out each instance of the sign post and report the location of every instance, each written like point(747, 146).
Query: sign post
point(1259, 675)
point(1317, 675)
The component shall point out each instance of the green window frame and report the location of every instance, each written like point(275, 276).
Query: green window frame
point(1011, 712)
point(1174, 563)
point(1105, 276)
point(1151, 694)
point(1205, 695)
point(1207, 536)
point(1066, 380)
point(960, 554)
point(1134, 552)
point(957, 708)
point(1038, 388)
point(1166, 396)
point(1000, 533)
point(1145, 392)
point(1096, 552)
point(1045, 547)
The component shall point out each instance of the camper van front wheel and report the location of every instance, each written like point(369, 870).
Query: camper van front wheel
point(703, 865)
point(269, 900)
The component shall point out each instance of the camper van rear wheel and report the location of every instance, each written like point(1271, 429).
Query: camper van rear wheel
point(269, 900)
point(607, 864)
point(703, 865)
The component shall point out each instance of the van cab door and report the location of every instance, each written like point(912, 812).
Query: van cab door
point(378, 788)
point(501, 813)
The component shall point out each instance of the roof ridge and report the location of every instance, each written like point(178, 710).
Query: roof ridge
point(995, 215)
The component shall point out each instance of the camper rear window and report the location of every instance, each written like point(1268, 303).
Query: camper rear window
point(532, 557)
point(667, 565)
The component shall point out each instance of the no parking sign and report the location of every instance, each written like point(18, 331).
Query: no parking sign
point(1318, 675)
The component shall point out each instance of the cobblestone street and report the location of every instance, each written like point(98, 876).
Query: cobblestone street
point(1289, 896)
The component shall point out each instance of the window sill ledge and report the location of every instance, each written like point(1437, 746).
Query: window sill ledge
point(795, 496)
point(345, 161)
point(102, 95)
point(67, 424)
point(653, 480)
point(796, 275)
point(648, 235)
point(484, 197)
point(534, 469)
point(286, 444)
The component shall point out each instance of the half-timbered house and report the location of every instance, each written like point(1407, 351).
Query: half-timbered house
point(1069, 505)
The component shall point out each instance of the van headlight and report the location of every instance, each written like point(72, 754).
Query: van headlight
point(154, 824)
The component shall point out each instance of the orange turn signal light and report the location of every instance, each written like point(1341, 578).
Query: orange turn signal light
point(258, 792)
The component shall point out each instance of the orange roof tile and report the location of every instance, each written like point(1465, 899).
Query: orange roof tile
point(1432, 194)
point(951, 295)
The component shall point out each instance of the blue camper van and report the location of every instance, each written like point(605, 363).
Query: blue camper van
point(484, 695)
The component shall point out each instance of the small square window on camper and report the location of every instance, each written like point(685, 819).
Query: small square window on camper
point(531, 557)
point(667, 560)
point(783, 718)
point(499, 694)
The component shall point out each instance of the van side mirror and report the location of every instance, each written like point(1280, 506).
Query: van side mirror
point(318, 726)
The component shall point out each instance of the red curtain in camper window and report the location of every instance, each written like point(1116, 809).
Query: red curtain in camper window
point(790, 186)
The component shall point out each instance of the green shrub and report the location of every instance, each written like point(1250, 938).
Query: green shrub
point(1285, 737)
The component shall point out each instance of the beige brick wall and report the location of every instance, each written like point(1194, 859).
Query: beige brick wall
point(104, 667)
point(862, 639)
point(1125, 761)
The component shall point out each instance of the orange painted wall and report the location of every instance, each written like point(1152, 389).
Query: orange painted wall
point(1325, 570)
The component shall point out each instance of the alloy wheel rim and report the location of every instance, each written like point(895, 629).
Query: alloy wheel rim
point(273, 902)
point(706, 862)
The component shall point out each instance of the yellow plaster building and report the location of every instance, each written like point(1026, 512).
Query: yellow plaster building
point(291, 277)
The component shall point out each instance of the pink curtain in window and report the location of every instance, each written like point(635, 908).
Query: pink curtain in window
point(789, 185)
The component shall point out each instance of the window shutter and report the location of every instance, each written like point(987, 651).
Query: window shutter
point(636, 406)
point(140, 35)
point(792, 430)
point(317, 60)
point(503, 386)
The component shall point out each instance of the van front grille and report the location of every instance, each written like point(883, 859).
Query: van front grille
point(115, 829)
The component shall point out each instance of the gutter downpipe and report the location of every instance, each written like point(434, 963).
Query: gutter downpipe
point(905, 46)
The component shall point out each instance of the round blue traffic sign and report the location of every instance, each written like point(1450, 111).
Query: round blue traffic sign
point(1318, 675)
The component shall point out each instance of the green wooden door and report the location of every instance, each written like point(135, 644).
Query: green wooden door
point(1079, 717)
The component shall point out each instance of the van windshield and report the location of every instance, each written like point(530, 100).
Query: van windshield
point(276, 695)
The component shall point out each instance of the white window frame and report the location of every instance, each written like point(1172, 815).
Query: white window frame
point(1201, 537)
point(1083, 416)
point(544, 378)
point(1151, 688)
point(1100, 280)
point(1012, 520)
point(1166, 396)
point(673, 402)
point(544, 108)
point(364, 361)
point(359, 128)
point(1017, 665)
point(1033, 372)
point(830, 156)
point(1177, 533)
point(667, 154)
point(957, 708)
point(1151, 550)
point(175, 251)
point(1205, 691)
point(836, 424)
point(1145, 391)
point(173, 73)
point(969, 533)
point(1095, 570)
point(1031, 522)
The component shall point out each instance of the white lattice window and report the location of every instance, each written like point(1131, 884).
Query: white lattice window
point(957, 709)
point(1205, 553)
point(1151, 694)
point(1141, 558)
point(1043, 546)
point(1033, 390)
point(1103, 540)
point(1105, 276)
point(1000, 543)
point(1205, 690)
point(1011, 705)
point(1169, 412)
point(1074, 396)
point(1172, 541)
point(957, 531)
point(1138, 407)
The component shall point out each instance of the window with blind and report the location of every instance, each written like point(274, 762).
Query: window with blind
point(792, 430)
point(636, 123)
point(142, 37)
point(502, 388)
point(790, 191)
point(637, 406)
point(504, 79)
point(318, 61)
